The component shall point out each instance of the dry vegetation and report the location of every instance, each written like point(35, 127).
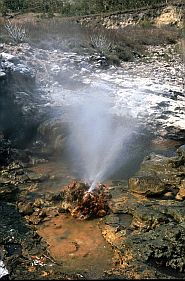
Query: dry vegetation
point(75, 7)
point(65, 33)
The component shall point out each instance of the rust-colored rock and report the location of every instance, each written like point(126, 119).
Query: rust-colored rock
point(84, 204)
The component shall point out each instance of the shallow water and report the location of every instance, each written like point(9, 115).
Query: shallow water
point(78, 245)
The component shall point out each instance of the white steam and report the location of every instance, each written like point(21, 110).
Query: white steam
point(98, 140)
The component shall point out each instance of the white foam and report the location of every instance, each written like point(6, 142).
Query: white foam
point(3, 270)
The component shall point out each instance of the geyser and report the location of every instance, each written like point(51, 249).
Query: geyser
point(99, 139)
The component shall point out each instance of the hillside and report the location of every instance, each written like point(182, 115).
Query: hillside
point(75, 8)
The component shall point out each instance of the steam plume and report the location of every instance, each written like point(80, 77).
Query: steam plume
point(98, 140)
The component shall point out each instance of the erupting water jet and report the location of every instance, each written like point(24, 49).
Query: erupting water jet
point(98, 139)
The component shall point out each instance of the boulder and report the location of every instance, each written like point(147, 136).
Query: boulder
point(20, 111)
point(181, 151)
point(147, 185)
point(168, 169)
point(54, 133)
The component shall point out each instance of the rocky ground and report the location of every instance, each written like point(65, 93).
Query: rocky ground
point(144, 224)
point(144, 229)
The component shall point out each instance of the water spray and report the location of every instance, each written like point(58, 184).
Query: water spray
point(98, 139)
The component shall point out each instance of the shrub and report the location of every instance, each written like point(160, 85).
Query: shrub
point(16, 32)
point(145, 23)
point(100, 42)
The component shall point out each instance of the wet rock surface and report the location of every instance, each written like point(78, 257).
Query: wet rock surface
point(19, 99)
point(145, 230)
point(24, 250)
point(78, 245)
point(139, 89)
point(154, 239)
point(5, 151)
point(147, 185)
point(24, 253)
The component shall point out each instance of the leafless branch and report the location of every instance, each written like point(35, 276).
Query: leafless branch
point(16, 32)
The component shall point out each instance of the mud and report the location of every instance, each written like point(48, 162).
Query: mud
point(37, 241)
point(78, 245)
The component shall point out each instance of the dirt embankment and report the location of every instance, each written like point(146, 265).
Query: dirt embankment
point(155, 15)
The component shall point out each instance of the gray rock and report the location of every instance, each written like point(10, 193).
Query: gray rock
point(24, 70)
point(149, 217)
point(162, 167)
point(2, 74)
point(165, 245)
point(181, 151)
point(8, 57)
point(54, 133)
point(147, 185)
point(176, 211)
point(8, 192)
